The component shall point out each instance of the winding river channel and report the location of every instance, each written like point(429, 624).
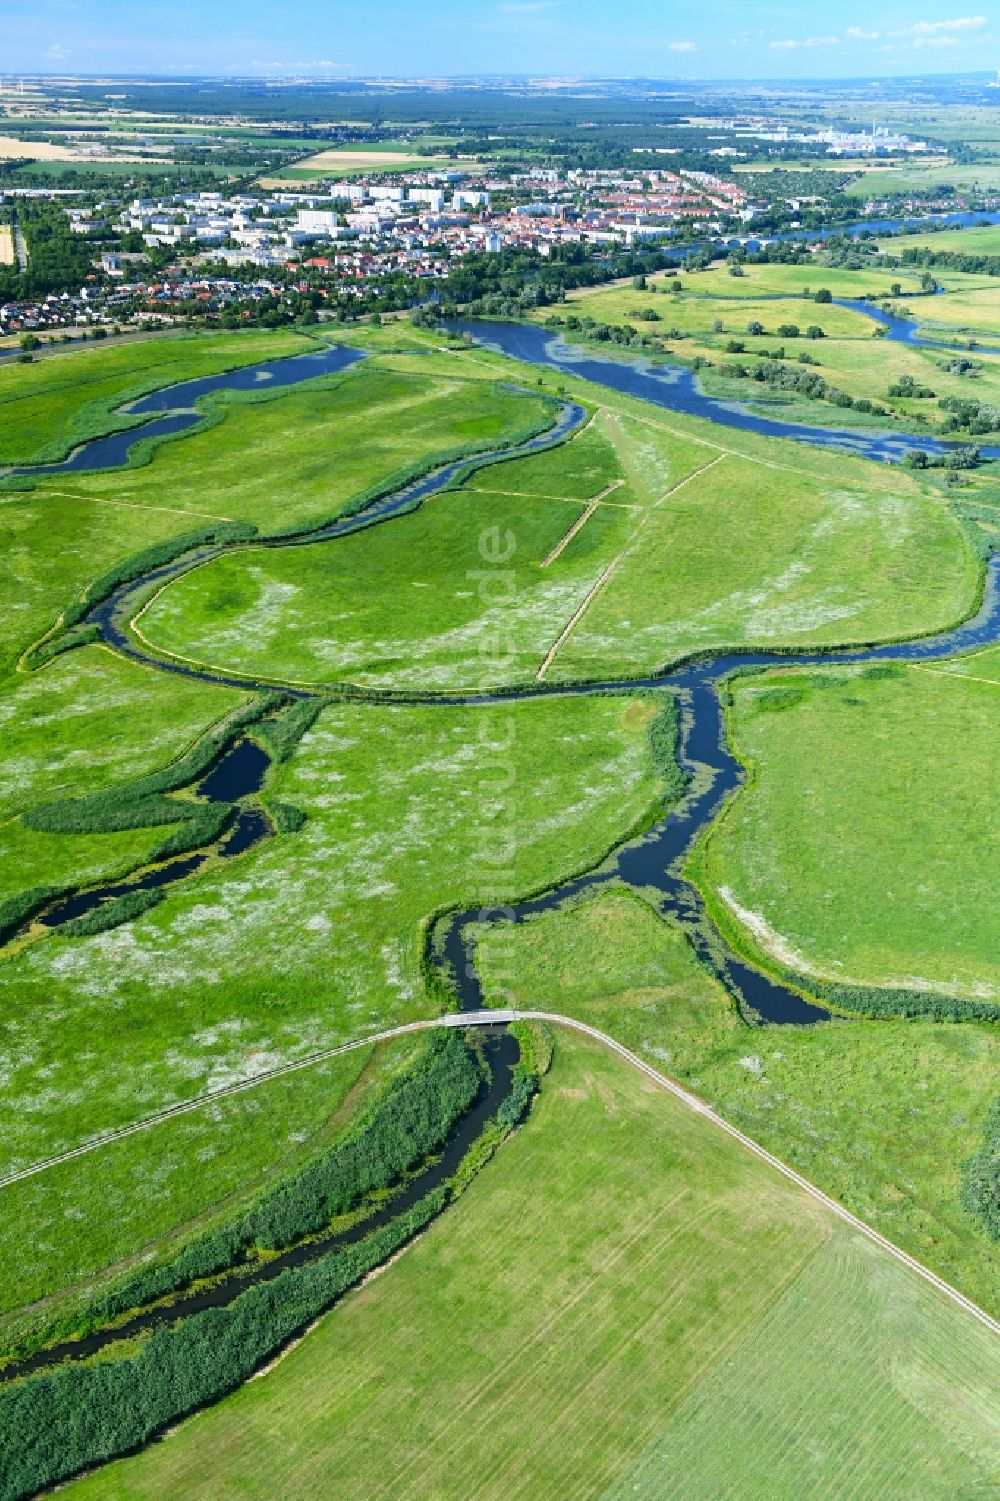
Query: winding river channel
point(651, 863)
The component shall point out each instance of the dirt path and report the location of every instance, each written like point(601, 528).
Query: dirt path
point(580, 522)
point(609, 572)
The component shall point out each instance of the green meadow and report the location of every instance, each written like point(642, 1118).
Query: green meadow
point(862, 848)
point(618, 1303)
point(277, 462)
point(624, 1303)
point(316, 937)
point(658, 567)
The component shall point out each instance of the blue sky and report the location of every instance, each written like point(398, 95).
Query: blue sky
point(679, 38)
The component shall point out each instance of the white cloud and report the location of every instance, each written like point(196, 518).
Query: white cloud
point(936, 28)
point(682, 46)
point(858, 34)
point(810, 41)
point(935, 41)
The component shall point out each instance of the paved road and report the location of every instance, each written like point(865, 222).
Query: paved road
point(486, 1018)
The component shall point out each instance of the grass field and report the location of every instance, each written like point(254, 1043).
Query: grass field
point(690, 580)
point(91, 719)
point(981, 239)
point(881, 1115)
point(376, 156)
point(868, 558)
point(776, 280)
point(698, 315)
point(484, 803)
point(669, 1314)
point(974, 312)
point(57, 402)
point(919, 180)
point(884, 786)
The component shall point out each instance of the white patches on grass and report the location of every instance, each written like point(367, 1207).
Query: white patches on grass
point(770, 940)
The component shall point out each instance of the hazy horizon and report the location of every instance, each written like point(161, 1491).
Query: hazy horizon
point(700, 41)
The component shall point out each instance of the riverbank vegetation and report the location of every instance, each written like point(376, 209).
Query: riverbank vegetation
point(768, 319)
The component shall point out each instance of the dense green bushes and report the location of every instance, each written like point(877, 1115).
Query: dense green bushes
point(283, 734)
point(868, 1000)
point(54, 1425)
point(81, 635)
point(286, 817)
point(16, 909)
point(981, 1185)
point(664, 742)
point(112, 914)
point(411, 1121)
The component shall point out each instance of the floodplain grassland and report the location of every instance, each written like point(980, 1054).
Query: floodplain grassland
point(800, 283)
point(979, 239)
point(56, 403)
point(880, 1114)
point(975, 312)
point(698, 315)
point(92, 719)
point(55, 543)
point(570, 1350)
point(300, 455)
point(401, 603)
point(843, 551)
point(857, 560)
point(863, 847)
point(315, 937)
point(713, 311)
point(640, 462)
point(89, 721)
point(279, 462)
point(398, 604)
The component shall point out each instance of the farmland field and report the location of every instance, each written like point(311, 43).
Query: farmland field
point(880, 1116)
point(611, 1340)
